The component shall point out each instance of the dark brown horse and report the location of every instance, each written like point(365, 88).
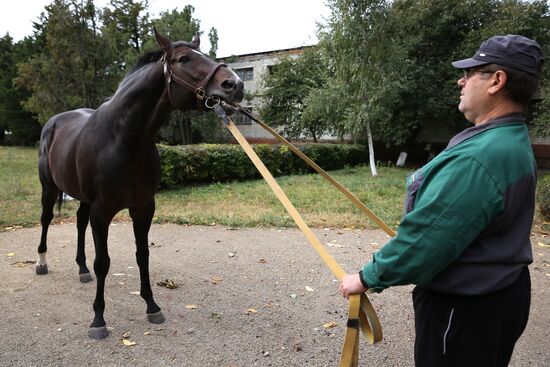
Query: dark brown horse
point(107, 158)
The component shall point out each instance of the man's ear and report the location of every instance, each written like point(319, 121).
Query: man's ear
point(498, 82)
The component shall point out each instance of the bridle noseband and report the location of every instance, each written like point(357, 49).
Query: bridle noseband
point(199, 89)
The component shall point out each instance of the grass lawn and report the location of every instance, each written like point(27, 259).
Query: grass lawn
point(233, 204)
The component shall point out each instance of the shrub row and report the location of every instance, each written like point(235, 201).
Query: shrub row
point(543, 197)
point(189, 164)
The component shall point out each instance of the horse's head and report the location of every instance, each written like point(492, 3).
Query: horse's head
point(195, 79)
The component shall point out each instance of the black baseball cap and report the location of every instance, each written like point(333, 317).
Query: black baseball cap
point(514, 51)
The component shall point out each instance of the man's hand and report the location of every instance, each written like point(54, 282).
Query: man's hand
point(351, 284)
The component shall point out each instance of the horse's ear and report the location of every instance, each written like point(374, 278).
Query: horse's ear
point(163, 42)
point(197, 40)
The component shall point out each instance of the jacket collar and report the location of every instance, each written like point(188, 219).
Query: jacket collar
point(474, 130)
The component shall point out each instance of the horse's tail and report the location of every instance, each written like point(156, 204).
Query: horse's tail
point(59, 202)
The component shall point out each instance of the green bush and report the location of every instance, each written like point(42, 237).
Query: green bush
point(543, 197)
point(190, 164)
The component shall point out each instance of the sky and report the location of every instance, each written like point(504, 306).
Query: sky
point(244, 26)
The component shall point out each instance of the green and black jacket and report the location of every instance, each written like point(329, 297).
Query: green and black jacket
point(468, 215)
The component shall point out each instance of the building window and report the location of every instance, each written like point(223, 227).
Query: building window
point(245, 73)
point(241, 119)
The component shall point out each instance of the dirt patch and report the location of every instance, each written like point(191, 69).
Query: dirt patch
point(240, 300)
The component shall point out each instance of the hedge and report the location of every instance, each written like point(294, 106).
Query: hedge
point(543, 197)
point(204, 163)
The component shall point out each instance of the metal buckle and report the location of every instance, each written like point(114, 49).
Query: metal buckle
point(200, 92)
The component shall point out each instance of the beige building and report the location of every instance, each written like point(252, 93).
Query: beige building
point(252, 68)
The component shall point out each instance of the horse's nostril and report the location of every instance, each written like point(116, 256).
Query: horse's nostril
point(228, 84)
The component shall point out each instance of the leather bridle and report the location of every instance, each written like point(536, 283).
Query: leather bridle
point(199, 89)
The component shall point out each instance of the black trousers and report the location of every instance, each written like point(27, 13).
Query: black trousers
point(470, 330)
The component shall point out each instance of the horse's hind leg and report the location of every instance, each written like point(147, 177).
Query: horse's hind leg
point(83, 217)
point(50, 194)
point(141, 218)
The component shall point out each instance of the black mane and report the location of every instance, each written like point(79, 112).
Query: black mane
point(147, 58)
point(154, 56)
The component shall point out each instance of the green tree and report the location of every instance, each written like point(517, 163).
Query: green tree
point(285, 92)
point(213, 38)
point(70, 70)
point(23, 128)
point(353, 43)
point(125, 28)
point(396, 57)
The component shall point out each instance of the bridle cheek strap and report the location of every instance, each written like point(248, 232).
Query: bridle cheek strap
point(199, 89)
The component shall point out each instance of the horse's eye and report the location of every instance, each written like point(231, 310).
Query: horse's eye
point(183, 59)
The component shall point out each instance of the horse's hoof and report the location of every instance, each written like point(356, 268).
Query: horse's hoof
point(156, 318)
point(41, 269)
point(98, 332)
point(85, 277)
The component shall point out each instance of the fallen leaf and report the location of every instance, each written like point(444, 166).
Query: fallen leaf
point(293, 295)
point(11, 254)
point(330, 325)
point(216, 280)
point(168, 283)
point(147, 333)
point(542, 244)
point(262, 261)
point(135, 293)
point(128, 343)
point(191, 307)
point(126, 335)
point(309, 289)
point(251, 310)
point(216, 315)
point(231, 254)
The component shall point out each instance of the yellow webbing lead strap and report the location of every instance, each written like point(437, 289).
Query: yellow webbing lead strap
point(362, 313)
point(322, 172)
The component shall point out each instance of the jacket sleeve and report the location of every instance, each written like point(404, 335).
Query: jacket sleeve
point(457, 199)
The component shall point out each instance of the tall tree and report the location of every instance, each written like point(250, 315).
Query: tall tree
point(396, 56)
point(353, 42)
point(285, 92)
point(125, 27)
point(69, 72)
point(23, 128)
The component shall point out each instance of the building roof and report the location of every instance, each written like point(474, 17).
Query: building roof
point(263, 54)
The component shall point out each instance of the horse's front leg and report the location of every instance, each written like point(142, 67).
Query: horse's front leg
point(83, 217)
point(141, 218)
point(100, 229)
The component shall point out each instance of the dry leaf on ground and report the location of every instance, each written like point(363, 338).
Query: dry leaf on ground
point(128, 343)
point(168, 283)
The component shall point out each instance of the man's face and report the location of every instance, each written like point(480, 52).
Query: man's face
point(473, 93)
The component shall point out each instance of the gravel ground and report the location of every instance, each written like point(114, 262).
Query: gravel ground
point(241, 300)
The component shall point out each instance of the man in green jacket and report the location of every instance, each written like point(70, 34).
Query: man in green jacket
point(465, 237)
